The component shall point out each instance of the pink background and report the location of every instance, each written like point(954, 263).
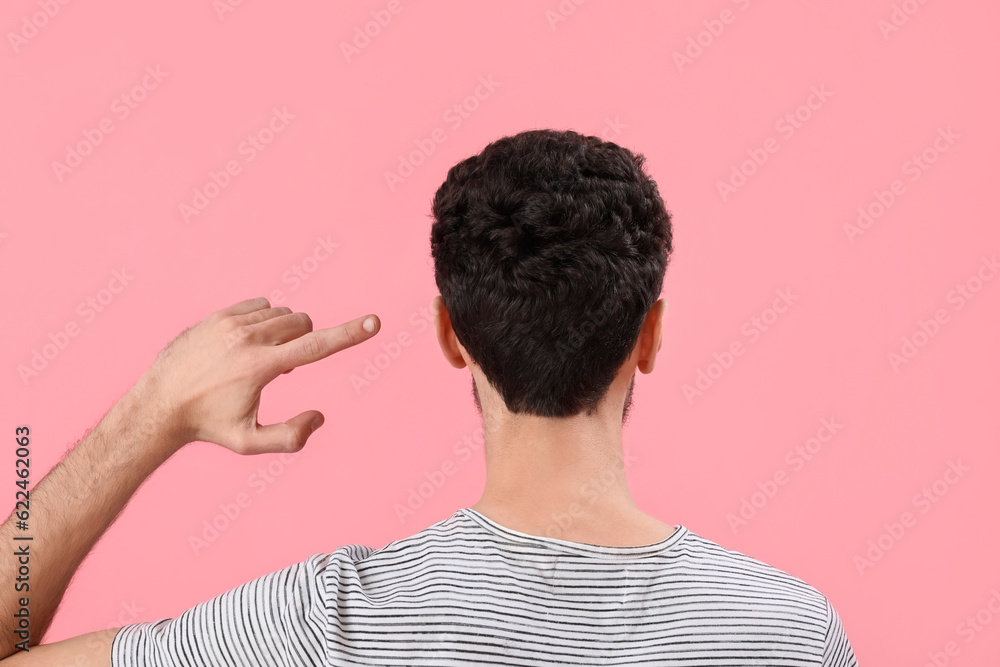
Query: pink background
point(608, 69)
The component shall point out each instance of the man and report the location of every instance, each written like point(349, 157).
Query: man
point(550, 250)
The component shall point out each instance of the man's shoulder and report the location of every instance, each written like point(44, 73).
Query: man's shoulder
point(435, 538)
point(760, 591)
point(447, 533)
point(724, 568)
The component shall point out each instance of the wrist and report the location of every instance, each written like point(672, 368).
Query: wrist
point(151, 418)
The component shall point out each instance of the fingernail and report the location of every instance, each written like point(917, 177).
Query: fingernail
point(369, 324)
point(316, 423)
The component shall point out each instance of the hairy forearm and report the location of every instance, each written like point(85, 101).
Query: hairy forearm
point(74, 504)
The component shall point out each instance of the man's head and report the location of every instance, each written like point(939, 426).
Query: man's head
point(550, 250)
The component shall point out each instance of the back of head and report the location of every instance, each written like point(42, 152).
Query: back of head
point(549, 248)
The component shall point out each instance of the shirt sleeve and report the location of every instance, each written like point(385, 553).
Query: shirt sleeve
point(276, 620)
point(838, 651)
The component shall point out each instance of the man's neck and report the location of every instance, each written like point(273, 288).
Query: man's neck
point(563, 479)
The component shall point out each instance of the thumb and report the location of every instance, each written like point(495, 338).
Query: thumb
point(289, 436)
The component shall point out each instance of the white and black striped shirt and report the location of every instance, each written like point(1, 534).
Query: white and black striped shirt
point(467, 591)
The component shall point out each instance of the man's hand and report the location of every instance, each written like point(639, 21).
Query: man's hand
point(208, 380)
point(205, 385)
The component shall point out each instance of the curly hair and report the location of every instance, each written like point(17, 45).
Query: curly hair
point(549, 248)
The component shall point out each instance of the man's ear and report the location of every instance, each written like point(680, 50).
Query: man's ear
point(445, 334)
point(651, 336)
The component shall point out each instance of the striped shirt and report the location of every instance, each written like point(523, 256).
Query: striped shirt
point(468, 591)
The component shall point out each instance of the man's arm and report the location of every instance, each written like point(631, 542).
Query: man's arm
point(90, 650)
point(72, 507)
point(205, 385)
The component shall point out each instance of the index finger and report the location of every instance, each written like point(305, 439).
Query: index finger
point(320, 344)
